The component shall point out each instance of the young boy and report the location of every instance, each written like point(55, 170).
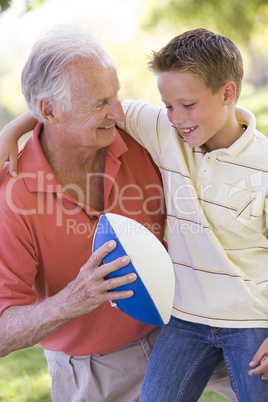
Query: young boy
point(214, 166)
point(215, 171)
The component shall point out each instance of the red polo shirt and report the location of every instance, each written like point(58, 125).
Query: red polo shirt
point(46, 237)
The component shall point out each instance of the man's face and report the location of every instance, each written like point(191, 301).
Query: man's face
point(95, 105)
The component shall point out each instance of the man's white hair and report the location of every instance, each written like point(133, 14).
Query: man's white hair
point(43, 74)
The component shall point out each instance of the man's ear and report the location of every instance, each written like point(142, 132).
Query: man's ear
point(229, 92)
point(46, 110)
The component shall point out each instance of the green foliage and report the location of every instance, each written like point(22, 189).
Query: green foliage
point(30, 4)
point(238, 19)
point(243, 21)
point(4, 5)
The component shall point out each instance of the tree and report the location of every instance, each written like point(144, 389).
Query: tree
point(236, 18)
point(29, 4)
point(240, 20)
point(4, 5)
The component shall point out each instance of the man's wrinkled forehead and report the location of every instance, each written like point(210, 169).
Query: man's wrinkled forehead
point(96, 80)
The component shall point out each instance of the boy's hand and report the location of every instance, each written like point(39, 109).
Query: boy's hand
point(8, 151)
point(260, 359)
point(9, 137)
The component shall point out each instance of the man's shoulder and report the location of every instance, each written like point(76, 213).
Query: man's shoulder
point(128, 139)
point(135, 149)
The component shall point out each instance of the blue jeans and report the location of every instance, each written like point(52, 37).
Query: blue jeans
point(186, 354)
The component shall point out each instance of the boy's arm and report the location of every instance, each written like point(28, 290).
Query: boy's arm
point(9, 137)
point(147, 124)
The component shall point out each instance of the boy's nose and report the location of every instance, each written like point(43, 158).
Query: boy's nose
point(178, 118)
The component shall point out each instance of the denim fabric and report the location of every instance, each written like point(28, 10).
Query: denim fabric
point(186, 354)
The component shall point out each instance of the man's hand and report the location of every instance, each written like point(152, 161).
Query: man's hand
point(260, 359)
point(24, 326)
point(90, 288)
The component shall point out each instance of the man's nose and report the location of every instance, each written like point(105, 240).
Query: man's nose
point(117, 112)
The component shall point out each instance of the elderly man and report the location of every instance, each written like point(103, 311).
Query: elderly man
point(76, 165)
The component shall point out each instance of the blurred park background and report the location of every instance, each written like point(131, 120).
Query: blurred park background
point(129, 30)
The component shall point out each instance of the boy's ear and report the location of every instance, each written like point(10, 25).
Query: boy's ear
point(229, 93)
point(46, 110)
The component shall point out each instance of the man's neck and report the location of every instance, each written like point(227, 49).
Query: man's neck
point(82, 174)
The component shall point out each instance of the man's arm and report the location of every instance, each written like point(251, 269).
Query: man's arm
point(9, 137)
point(24, 326)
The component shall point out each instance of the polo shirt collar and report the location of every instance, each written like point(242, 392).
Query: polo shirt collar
point(118, 147)
point(38, 174)
point(247, 118)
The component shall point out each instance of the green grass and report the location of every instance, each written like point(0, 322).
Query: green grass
point(210, 396)
point(24, 377)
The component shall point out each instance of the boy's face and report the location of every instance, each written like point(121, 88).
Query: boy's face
point(203, 118)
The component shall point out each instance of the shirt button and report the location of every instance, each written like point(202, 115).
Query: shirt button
point(94, 217)
point(205, 171)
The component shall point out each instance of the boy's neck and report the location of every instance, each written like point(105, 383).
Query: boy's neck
point(232, 133)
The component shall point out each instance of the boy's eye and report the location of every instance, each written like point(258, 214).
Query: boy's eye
point(169, 107)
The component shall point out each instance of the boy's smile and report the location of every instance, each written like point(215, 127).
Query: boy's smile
point(203, 118)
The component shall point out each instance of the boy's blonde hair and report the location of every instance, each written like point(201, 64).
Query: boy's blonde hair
point(213, 58)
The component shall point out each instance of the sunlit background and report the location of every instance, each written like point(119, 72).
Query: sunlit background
point(116, 23)
point(129, 30)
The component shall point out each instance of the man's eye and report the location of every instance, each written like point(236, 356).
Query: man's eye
point(100, 105)
point(188, 105)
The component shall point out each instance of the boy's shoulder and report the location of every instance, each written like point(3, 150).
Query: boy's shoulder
point(260, 135)
point(253, 151)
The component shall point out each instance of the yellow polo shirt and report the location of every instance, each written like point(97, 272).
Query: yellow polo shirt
point(217, 219)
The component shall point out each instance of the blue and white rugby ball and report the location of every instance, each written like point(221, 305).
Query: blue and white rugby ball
point(155, 284)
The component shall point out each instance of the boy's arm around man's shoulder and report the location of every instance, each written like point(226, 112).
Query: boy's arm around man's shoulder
point(147, 124)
